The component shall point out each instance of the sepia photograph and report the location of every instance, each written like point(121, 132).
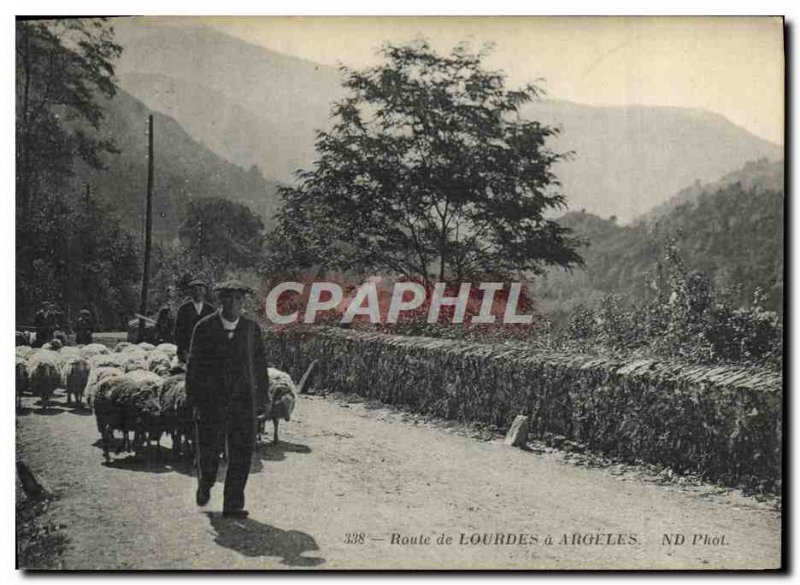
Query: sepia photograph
point(394, 293)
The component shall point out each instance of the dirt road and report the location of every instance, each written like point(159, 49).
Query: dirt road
point(350, 484)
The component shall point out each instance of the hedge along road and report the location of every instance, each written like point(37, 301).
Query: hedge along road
point(348, 482)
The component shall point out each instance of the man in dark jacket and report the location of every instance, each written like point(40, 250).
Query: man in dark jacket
point(165, 326)
point(45, 325)
point(226, 382)
point(84, 327)
point(189, 313)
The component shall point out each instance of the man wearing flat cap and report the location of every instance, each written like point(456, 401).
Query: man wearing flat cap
point(226, 382)
point(189, 313)
point(84, 327)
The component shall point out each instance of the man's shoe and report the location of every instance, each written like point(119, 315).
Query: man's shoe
point(235, 513)
point(202, 496)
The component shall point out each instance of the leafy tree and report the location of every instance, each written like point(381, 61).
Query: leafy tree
point(428, 168)
point(100, 265)
point(61, 67)
point(82, 258)
point(684, 318)
point(70, 250)
point(219, 235)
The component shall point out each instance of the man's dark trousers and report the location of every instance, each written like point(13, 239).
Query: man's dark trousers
point(234, 423)
point(211, 437)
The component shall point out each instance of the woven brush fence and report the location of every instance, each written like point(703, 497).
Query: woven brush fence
point(722, 423)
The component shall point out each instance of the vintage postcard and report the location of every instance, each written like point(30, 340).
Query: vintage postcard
point(399, 293)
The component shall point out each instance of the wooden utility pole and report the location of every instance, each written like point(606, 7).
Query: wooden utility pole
point(148, 228)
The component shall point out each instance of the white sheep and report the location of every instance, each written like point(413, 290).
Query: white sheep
point(129, 403)
point(134, 360)
point(168, 349)
point(158, 362)
point(93, 349)
point(131, 347)
point(106, 360)
point(76, 375)
point(97, 375)
point(283, 396)
point(69, 351)
point(175, 365)
point(24, 351)
point(121, 346)
point(44, 373)
point(66, 355)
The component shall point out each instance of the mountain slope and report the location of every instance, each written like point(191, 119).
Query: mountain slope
point(759, 175)
point(184, 169)
point(255, 106)
point(630, 159)
point(731, 230)
point(251, 105)
point(225, 126)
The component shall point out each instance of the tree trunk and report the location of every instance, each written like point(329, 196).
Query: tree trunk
point(442, 250)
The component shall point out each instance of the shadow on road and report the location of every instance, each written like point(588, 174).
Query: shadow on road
point(256, 539)
point(153, 459)
point(150, 460)
point(79, 409)
point(50, 410)
point(58, 405)
point(150, 465)
point(277, 451)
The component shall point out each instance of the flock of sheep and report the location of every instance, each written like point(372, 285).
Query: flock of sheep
point(136, 389)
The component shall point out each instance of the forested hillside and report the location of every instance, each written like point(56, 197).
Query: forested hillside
point(731, 230)
point(185, 170)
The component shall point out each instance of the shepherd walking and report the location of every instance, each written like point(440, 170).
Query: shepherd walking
point(226, 382)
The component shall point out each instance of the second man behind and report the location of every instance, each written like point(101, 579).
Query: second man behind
point(189, 313)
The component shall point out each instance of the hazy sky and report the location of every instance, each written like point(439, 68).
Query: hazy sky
point(729, 65)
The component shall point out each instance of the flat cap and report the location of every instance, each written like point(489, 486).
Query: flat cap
point(197, 282)
point(231, 285)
